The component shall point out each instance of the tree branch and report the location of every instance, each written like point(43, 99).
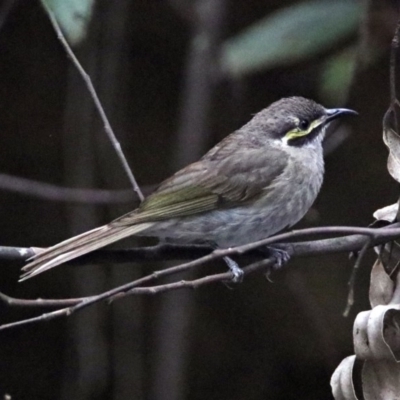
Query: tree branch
point(361, 239)
point(88, 82)
point(51, 192)
point(168, 251)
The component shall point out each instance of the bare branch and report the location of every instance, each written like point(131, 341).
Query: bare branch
point(57, 193)
point(37, 303)
point(362, 240)
point(43, 317)
point(96, 100)
point(128, 289)
point(169, 251)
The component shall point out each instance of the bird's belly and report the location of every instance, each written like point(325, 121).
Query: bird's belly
point(225, 227)
point(235, 226)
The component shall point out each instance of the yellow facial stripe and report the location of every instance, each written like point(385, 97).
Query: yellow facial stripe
point(298, 132)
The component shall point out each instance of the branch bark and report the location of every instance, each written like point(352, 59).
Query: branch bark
point(354, 241)
point(359, 239)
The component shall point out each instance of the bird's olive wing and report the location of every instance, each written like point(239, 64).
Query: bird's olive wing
point(178, 196)
point(213, 182)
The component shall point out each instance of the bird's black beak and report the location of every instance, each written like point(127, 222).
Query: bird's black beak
point(334, 113)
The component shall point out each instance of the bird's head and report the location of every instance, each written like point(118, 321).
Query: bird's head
point(296, 121)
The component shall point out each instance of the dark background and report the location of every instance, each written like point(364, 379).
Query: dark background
point(259, 341)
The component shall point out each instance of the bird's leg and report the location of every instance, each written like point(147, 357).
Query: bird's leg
point(232, 265)
point(281, 258)
point(235, 269)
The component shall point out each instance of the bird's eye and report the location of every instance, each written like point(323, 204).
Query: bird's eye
point(304, 124)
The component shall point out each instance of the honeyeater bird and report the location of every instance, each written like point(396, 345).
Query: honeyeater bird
point(257, 181)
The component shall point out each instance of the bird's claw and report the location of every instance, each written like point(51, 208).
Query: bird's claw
point(281, 258)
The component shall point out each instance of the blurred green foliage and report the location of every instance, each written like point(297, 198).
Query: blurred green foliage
point(73, 17)
point(336, 76)
point(294, 34)
point(290, 35)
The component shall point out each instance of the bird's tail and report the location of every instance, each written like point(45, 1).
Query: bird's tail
point(78, 246)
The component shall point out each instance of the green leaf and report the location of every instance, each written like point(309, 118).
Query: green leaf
point(290, 35)
point(73, 17)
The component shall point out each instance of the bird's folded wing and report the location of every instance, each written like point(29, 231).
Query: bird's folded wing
point(210, 184)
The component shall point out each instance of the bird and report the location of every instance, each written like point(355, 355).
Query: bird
point(259, 180)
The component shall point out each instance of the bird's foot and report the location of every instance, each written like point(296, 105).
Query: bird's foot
point(281, 258)
point(237, 272)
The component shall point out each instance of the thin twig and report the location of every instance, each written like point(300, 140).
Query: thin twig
point(37, 303)
point(149, 290)
point(44, 317)
point(129, 289)
point(169, 251)
point(349, 243)
point(96, 100)
point(51, 192)
point(296, 234)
